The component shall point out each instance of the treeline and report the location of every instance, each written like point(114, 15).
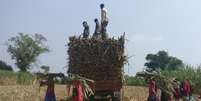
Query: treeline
point(5, 66)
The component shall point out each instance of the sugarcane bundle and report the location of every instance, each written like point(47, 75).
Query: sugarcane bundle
point(165, 84)
point(86, 89)
point(96, 59)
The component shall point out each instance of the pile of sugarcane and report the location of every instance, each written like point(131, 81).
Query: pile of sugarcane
point(165, 84)
point(96, 59)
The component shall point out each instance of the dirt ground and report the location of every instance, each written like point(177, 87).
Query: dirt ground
point(33, 93)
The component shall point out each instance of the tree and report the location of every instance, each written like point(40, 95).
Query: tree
point(162, 61)
point(4, 66)
point(45, 68)
point(25, 49)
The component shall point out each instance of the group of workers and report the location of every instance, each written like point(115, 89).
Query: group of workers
point(100, 28)
point(75, 88)
point(181, 90)
point(50, 93)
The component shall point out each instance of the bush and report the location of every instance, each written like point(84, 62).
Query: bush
point(134, 81)
point(8, 77)
point(7, 74)
point(25, 78)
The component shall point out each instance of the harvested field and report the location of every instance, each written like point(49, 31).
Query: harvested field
point(28, 93)
point(32, 93)
point(135, 93)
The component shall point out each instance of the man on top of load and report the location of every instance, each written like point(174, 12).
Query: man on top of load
point(104, 21)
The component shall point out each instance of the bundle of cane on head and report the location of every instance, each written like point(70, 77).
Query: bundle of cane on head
point(162, 82)
point(87, 91)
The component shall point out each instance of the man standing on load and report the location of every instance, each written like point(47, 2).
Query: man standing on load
point(104, 21)
point(97, 31)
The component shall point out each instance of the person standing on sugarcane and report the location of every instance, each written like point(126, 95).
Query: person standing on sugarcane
point(104, 21)
point(86, 30)
point(97, 29)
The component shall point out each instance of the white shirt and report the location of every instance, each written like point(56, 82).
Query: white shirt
point(104, 15)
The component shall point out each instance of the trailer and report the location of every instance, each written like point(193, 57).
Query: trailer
point(100, 60)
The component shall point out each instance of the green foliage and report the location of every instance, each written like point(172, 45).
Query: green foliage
point(7, 74)
point(25, 49)
point(189, 73)
point(45, 68)
point(193, 74)
point(4, 66)
point(162, 61)
point(24, 78)
point(134, 81)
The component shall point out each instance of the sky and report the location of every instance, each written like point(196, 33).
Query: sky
point(150, 26)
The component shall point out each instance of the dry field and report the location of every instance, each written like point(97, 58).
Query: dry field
point(33, 93)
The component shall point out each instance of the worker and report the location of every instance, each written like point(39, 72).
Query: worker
point(104, 21)
point(77, 91)
point(191, 97)
point(186, 90)
point(50, 95)
point(86, 30)
point(97, 29)
point(152, 90)
point(177, 93)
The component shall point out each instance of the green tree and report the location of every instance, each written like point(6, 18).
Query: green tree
point(25, 49)
point(45, 68)
point(4, 66)
point(162, 61)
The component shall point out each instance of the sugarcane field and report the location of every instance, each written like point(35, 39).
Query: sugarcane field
point(105, 50)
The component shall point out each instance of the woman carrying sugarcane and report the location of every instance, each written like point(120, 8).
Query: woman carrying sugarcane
point(152, 91)
point(177, 87)
point(186, 90)
point(50, 95)
point(48, 79)
point(79, 89)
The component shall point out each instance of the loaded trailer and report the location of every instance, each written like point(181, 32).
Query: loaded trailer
point(101, 60)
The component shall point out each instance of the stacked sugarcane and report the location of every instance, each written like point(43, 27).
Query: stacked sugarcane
point(162, 82)
point(96, 58)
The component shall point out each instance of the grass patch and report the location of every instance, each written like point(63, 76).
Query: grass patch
point(9, 77)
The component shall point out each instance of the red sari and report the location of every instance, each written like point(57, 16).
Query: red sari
point(79, 93)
